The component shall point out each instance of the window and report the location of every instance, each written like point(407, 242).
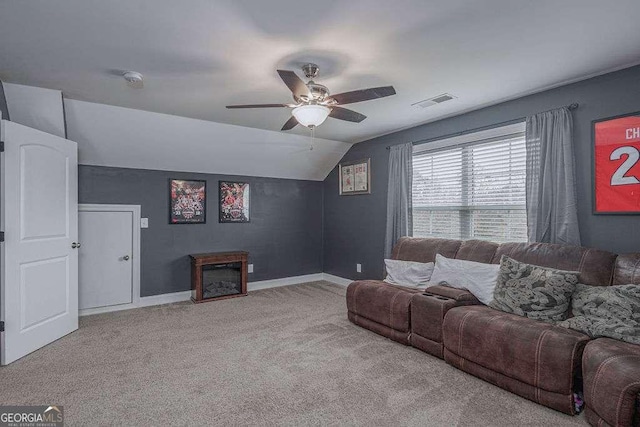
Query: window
point(472, 186)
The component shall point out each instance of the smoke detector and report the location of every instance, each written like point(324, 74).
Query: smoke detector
point(434, 101)
point(133, 78)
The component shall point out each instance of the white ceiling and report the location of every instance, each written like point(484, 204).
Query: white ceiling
point(200, 55)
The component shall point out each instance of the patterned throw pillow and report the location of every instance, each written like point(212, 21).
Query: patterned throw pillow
point(606, 311)
point(532, 291)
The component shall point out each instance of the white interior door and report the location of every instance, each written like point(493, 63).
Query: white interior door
point(40, 274)
point(106, 258)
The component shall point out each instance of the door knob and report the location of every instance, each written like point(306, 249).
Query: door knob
point(126, 257)
point(75, 245)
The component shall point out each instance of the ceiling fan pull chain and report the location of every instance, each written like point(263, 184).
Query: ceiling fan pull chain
point(313, 135)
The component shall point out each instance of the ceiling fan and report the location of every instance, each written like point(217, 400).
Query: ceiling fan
point(314, 103)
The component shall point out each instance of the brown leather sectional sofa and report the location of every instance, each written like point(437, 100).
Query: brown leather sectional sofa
point(537, 360)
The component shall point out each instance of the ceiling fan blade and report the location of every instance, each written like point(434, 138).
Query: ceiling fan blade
point(364, 94)
point(346, 114)
point(291, 123)
point(258, 106)
point(294, 83)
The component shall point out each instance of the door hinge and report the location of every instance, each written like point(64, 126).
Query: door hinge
point(1, 236)
point(1, 326)
point(1, 146)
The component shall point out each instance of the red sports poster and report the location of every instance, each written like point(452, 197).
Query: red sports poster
point(617, 165)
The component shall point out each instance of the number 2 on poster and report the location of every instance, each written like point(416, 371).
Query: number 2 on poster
point(620, 177)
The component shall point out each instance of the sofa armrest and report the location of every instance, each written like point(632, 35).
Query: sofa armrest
point(453, 293)
point(611, 371)
point(427, 314)
point(382, 303)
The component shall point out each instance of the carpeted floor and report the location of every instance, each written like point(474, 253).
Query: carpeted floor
point(280, 356)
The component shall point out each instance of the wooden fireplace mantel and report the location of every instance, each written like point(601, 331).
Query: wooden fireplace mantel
point(200, 260)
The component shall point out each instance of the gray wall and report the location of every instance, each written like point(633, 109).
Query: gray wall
point(354, 225)
point(284, 237)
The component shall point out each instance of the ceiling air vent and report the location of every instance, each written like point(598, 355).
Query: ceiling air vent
point(433, 101)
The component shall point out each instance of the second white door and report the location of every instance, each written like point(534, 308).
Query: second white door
point(106, 265)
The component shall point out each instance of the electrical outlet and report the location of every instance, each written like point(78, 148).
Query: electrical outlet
point(144, 222)
point(250, 268)
point(358, 268)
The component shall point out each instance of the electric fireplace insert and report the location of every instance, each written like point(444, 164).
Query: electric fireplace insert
point(218, 275)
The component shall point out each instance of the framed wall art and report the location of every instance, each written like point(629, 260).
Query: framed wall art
point(616, 165)
point(234, 201)
point(355, 177)
point(188, 201)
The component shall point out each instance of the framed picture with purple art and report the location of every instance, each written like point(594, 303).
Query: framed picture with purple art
point(188, 202)
point(234, 201)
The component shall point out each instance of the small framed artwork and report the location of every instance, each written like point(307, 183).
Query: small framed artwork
point(616, 164)
point(234, 201)
point(355, 177)
point(188, 201)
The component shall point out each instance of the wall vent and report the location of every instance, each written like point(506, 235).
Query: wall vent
point(434, 101)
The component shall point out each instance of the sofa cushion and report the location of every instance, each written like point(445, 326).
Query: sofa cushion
point(477, 250)
point(595, 266)
point(606, 311)
point(535, 353)
point(627, 269)
point(424, 250)
point(611, 373)
point(539, 293)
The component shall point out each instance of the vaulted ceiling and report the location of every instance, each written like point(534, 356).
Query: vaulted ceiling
point(199, 55)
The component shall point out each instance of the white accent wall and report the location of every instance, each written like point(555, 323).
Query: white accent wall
point(123, 137)
point(35, 107)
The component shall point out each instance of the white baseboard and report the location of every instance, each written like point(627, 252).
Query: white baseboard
point(336, 279)
point(143, 302)
point(285, 281)
point(186, 295)
point(109, 309)
point(165, 298)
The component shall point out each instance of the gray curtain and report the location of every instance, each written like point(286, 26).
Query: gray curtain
point(552, 215)
point(399, 195)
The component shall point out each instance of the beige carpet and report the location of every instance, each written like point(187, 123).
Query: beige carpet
point(281, 356)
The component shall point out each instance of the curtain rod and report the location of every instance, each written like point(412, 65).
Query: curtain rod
point(573, 106)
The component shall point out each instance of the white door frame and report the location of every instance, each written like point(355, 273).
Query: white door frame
point(135, 297)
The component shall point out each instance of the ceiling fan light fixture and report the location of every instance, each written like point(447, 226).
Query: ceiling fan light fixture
point(311, 115)
point(314, 103)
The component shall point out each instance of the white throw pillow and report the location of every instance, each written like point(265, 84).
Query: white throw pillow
point(408, 273)
point(477, 277)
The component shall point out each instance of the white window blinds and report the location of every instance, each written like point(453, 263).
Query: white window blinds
point(472, 190)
